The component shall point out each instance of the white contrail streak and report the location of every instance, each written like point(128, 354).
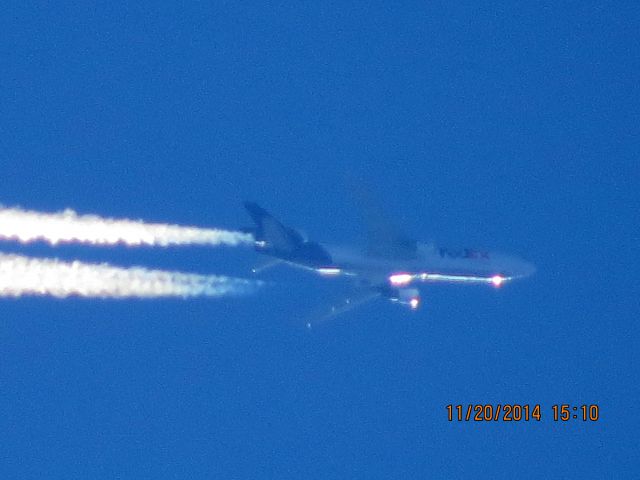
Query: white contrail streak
point(67, 226)
point(20, 275)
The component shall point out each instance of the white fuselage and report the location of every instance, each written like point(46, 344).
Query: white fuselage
point(432, 263)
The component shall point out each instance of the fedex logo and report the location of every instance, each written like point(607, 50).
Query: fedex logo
point(464, 253)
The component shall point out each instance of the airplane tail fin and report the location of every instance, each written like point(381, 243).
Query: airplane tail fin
point(273, 238)
point(271, 232)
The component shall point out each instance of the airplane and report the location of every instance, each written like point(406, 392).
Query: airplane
point(390, 266)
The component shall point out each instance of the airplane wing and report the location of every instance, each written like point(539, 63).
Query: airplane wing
point(341, 307)
point(384, 238)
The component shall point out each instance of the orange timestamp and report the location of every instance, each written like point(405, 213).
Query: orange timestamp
point(515, 412)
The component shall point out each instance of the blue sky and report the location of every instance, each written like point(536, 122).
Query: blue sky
point(503, 125)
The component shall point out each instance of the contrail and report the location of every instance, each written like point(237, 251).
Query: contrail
point(67, 226)
point(20, 275)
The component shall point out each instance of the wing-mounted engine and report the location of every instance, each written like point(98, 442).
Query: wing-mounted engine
point(404, 296)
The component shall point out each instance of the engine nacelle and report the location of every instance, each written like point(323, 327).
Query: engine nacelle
point(403, 296)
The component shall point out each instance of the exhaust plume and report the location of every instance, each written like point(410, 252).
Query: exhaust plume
point(20, 275)
point(67, 226)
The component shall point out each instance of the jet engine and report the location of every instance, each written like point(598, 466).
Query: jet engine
point(404, 296)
